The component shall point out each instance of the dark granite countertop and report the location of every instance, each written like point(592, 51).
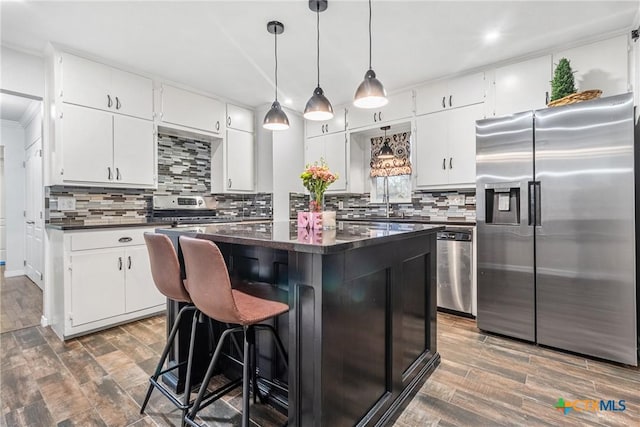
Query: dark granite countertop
point(286, 235)
point(149, 223)
point(409, 219)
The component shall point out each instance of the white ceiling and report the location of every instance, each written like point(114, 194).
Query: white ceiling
point(223, 47)
point(13, 108)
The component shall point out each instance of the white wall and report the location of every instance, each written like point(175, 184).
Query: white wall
point(280, 161)
point(12, 138)
point(21, 72)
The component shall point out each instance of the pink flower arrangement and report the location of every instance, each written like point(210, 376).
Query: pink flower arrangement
point(316, 178)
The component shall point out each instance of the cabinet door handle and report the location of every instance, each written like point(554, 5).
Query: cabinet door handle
point(125, 239)
point(109, 172)
point(450, 162)
point(119, 263)
point(326, 127)
point(380, 116)
point(129, 262)
point(450, 97)
point(444, 163)
point(546, 97)
point(229, 183)
point(374, 117)
point(218, 125)
point(118, 174)
point(443, 104)
point(118, 104)
point(31, 222)
point(109, 101)
point(229, 121)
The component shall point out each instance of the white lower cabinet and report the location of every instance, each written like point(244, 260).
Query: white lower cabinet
point(104, 279)
point(446, 147)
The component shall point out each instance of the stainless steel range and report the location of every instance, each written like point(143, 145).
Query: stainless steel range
point(177, 210)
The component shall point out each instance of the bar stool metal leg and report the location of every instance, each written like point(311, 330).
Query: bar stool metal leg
point(165, 352)
point(187, 384)
point(245, 379)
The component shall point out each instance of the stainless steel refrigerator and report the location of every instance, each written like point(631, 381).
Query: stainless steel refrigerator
point(556, 227)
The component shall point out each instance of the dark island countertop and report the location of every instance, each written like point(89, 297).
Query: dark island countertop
point(286, 235)
point(148, 223)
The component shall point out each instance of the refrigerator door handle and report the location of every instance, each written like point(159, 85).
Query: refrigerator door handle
point(535, 217)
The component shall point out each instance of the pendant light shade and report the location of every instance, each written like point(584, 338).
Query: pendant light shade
point(371, 92)
point(386, 152)
point(276, 118)
point(318, 107)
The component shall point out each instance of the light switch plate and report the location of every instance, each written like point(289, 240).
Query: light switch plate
point(66, 203)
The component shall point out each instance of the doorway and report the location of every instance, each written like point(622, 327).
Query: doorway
point(21, 206)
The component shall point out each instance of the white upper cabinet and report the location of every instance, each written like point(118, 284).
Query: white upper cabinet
point(336, 124)
point(333, 149)
point(240, 118)
point(400, 106)
point(454, 93)
point(95, 85)
point(87, 136)
point(184, 108)
point(446, 147)
point(133, 142)
point(522, 86)
point(104, 148)
point(240, 161)
point(601, 65)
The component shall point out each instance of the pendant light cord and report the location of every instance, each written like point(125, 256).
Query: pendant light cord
point(369, 34)
point(275, 33)
point(318, 40)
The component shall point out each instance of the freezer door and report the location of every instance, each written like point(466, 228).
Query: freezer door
point(504, 169)
point(585, 246)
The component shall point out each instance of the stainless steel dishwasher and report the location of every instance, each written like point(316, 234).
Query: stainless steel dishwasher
point(455, 275)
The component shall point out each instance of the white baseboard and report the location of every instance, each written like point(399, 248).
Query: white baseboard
point(44, 322)
point(14, 273)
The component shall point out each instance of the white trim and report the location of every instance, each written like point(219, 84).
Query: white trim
point(10, 124)
point(30, 113)
point(13, 273)
point(44, 322)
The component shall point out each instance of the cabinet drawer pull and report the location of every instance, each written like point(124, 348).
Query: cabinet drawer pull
point(129, 262)
point(119, 263)
point(125, 239)
point(450, 98)
point(118, 174)
point(444, 163)
point(118, 104)
point(443, 104)
point(109, 102)
point(109, 172)
point(450, 162)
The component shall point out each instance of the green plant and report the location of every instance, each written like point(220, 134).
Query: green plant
point(563, 83)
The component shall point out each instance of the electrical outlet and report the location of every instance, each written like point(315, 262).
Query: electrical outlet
point(340, 204)
point(66, 203)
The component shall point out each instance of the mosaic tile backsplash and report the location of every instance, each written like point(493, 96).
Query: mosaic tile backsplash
point(184, 168)
point(453, 206)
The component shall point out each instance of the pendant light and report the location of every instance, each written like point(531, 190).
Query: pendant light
point(386, 152)
point(276, 118)
point(370, 93)
point(318, 107)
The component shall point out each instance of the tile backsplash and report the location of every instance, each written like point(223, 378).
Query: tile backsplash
point(454, 206)
point(184, 168)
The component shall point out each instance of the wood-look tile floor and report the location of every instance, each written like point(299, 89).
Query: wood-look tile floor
point(483, 380)
point(20, 303)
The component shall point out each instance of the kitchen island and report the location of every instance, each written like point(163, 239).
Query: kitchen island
point(361, 331)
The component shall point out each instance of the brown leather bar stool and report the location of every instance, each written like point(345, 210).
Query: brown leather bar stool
point(211, 291)
point(165, 270)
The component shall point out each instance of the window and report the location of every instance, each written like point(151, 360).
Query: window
point(399, 189)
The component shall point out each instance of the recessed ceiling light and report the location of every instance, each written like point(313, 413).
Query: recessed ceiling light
point(491, 36)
